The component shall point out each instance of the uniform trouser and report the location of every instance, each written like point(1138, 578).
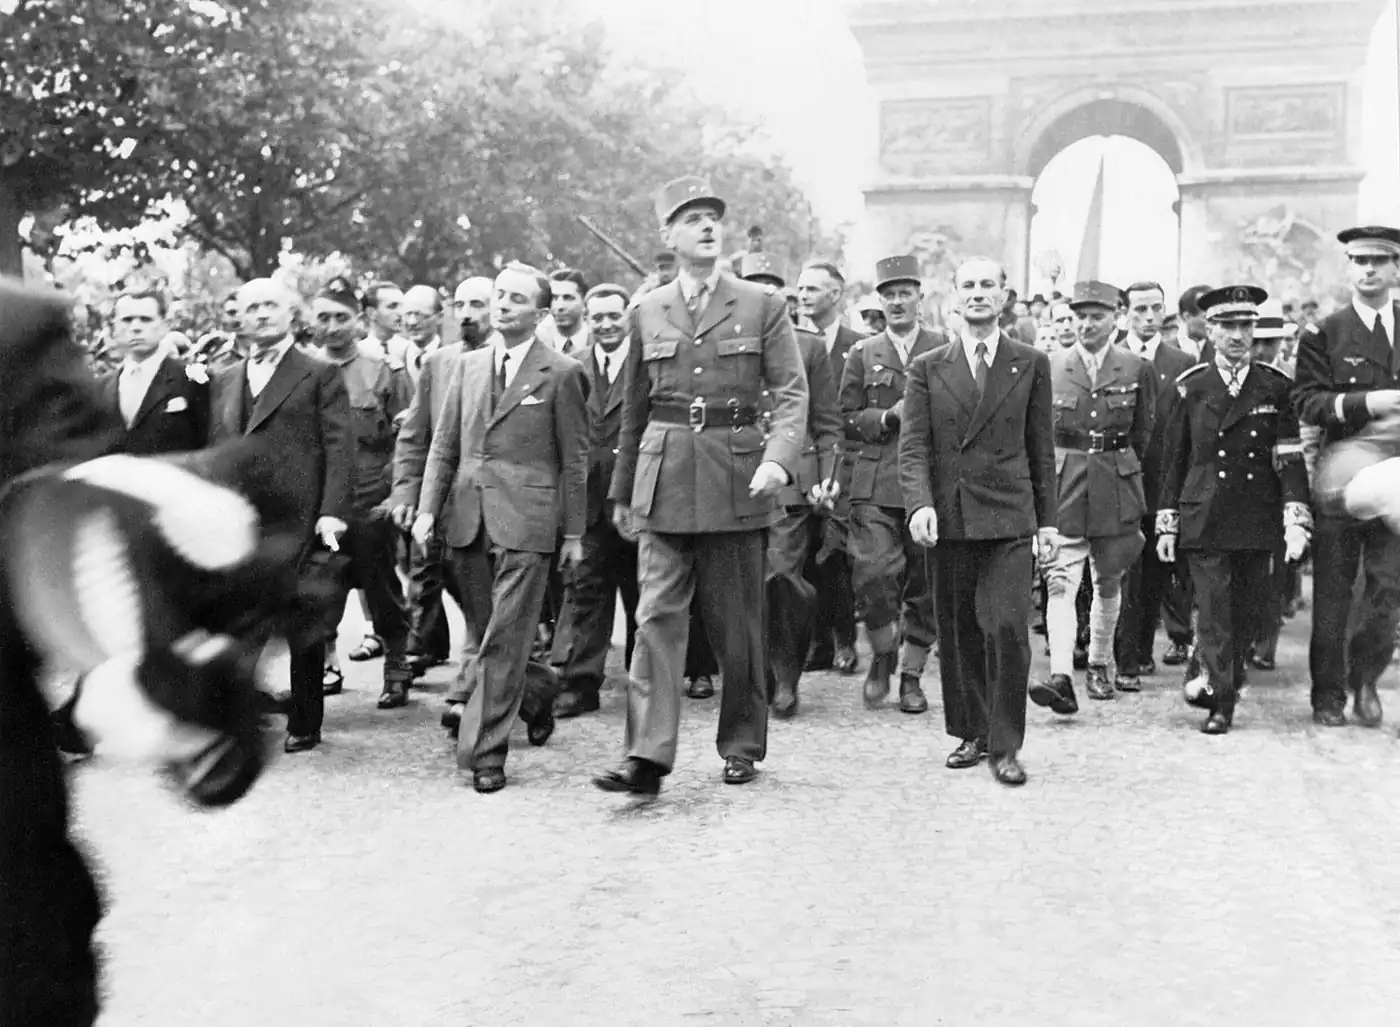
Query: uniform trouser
point(1109, 558)
point(1153, 591)
point(427, 579)
point(700, 661)
point(889, 572)
point(1276, 594)
point(307, 707)
point(836, 606)
point(791, 600)
point(504, 590)
point(1227, 587)
point(724, 571)
point(984, 650)
point(584, 631)
point(1349, 648)
point(369, 546)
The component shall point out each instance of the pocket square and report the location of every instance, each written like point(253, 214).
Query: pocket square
point(177, 405)
point(531, 401)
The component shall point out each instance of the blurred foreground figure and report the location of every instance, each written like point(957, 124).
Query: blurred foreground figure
point(150, 579)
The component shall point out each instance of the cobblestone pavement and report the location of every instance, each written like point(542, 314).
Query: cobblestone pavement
point(1146, 875)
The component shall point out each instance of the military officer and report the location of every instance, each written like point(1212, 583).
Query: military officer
point(791, 606)
point(889, 570)
point(1348, 376)
point(1233, 480)
point(697, 483)
point(1103, 420)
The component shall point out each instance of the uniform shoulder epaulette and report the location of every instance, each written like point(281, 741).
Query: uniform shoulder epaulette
point(1193, 369)
point(859, 346)
point(1276, 370)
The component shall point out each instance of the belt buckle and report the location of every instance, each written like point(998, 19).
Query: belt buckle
point(697, 414)
point(1097, 440)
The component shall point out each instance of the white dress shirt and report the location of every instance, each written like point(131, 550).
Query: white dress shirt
point(829, 334)
point(1368, 317)
point(516, 353)
point(615, 358)
point(135, 382)
point(1145, 348)
point(261, 372)
point(970, 349)
point(571, 343)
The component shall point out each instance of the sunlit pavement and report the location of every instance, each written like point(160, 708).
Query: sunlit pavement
point(1147, 875)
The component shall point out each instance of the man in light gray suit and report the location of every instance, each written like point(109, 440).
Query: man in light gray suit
point(511, 448)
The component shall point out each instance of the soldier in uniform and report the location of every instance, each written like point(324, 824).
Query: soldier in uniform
point(1103, 421)
point(889, 570)
point(1348, 376)
point(380, 391)
point(697, 483)
point(791, 607)
point(1233, 480)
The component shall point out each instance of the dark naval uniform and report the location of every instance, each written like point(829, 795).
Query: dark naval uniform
point(1233, 479)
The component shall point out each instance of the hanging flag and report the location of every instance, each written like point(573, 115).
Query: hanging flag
point(1091, 247)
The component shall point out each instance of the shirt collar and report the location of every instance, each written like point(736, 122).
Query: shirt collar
point(1368, 317)
point(616, 357)
point(689, 283)
point(146, 366)
point(1093, 361)
point(499, 348)
point(970, 345)
point(1147, 348)
point(280, 349)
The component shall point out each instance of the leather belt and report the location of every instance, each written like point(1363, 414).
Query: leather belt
point(1092, 441)
point(699, 415)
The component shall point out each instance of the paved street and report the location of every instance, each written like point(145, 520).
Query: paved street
point(1146, 875)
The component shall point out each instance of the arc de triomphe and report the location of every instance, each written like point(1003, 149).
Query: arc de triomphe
point(1255, 105)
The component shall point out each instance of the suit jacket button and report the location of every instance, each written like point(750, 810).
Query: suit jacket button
point(1093, 413)
point(1250, 476)
point(1222, 474)
point(699, 370)
point(614, 452)
point(1222, 452)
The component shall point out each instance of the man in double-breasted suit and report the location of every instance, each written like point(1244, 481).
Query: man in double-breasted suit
point(609, 566)
point(977, 463)
point(512, 451)
point(1103, 420)
point(1349, 375)
point(298, 404)
point(697, 481)
point(1233, 481)
point(889, 570)
point(1153, 591)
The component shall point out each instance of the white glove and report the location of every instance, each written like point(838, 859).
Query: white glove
point(1295, 542)
point(923, 526)
point(1166, 548)
point(423, 528)
point(330, 529)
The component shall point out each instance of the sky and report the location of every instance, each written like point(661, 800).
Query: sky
point(794, 66)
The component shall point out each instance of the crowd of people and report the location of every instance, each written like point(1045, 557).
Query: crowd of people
point(753, 469)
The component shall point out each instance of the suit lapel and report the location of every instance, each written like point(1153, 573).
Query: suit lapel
point(527, 379)
point(110, 391)
point(957, 379)
point(290, 371)
point(923, 342)
point(673, 303)
point(721, 303)
point(1078, 373)
point(229, 386)
point(160, 388)
point(1006, 372)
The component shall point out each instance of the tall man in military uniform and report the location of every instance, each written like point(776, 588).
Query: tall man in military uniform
point(1103, 420)
point(1233, 481)
point(889, 570)
point(1348, 376)
point(696, 481)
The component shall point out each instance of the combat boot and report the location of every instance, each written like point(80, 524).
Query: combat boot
point(911, 695)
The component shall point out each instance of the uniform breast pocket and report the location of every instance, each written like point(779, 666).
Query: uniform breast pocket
point(883, 387)
point(1358, 372)
point(1121, 407)
point(372, 426)
point(1065, 407)
point(658, 361)
point(740, 361)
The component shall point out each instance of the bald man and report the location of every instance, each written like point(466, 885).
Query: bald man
point(471, 305)
point(298, 403)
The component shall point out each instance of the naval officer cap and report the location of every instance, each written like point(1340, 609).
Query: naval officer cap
point(339, 290)
point(1371, 241)
point(677, 195)
point(897, 269)
point(1094, 294)
point(762, 268)
point(1233, 303)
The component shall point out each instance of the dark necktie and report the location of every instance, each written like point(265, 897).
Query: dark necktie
point(697, 302)
point(500, 389)
point(980, 375)
point(607, 366)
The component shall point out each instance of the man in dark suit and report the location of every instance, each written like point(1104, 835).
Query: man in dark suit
point(1152, 590)
point(1233, 482)
point(820, 290)
point(889, 569)
point(1349, 375)
point(512, 450)
point(298, 405)
point(609, 565)
point(977, 463)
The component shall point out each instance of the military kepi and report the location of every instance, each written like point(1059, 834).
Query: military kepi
point(339, 290)
point(681, 193)
point(896, 269)
point(1371, 241)
point(763, 268)
point(1233, 303)
point(1094, 294)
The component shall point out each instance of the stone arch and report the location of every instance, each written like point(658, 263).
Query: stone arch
point(1119, 110)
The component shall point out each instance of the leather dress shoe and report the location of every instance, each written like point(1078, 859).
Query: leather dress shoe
point(1218, 723)
point(700, 687)
point(970, 753)
point(395, 694)
point(638, 776)
point(1177, 653)
point(1367, 706)
point(738, 771)
point(1007, 769)
point(877, 679)
point(572, 704)
point(539, 727)
point(911, 695)
point(845, 661)
point(1330, 717)
point(1057, 694)
point(301, 743)
point(1146, 668)
point(784, 701)
point(452, 717)
point(1096, 683)
point(1127, 683)
point(488, 779)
